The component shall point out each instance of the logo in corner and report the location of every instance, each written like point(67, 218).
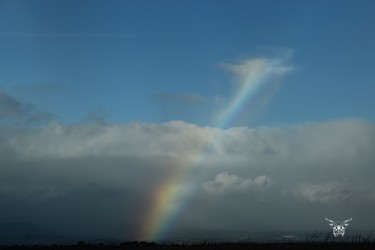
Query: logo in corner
point(338, 229)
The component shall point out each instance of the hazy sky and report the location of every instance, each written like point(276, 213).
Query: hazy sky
point(138, 118)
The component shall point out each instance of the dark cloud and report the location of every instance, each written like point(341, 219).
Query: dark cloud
point(96, 116)
point(101, 179)
point(13, 111)
point(11, 108)
point(183, 106)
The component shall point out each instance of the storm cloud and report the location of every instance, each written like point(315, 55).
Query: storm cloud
point(98, 178)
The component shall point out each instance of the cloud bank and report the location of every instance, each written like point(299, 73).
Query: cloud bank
point(99, 178)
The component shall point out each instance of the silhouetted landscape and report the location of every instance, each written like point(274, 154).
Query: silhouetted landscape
point(203, 245)
point(28, 236)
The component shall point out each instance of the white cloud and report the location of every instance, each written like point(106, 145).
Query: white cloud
point(228, 183)
point(260, 67)
point(331, 192)
point(256, 81)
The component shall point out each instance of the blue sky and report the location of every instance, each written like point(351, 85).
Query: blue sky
point(137, 60)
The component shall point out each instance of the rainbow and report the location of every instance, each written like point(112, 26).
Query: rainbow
point(254, 76)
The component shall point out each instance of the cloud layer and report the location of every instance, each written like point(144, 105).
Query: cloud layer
point(99, 178)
